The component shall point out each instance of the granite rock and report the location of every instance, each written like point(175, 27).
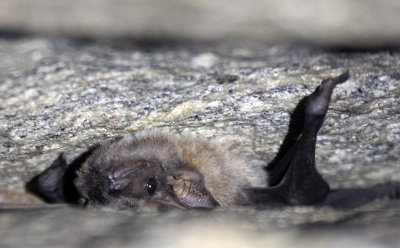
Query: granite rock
point(65, 95)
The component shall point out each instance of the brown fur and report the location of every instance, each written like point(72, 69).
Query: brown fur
point(223, 171)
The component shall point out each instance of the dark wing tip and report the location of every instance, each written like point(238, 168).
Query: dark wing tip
point(342, 77)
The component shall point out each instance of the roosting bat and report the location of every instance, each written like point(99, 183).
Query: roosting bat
point(158, 170)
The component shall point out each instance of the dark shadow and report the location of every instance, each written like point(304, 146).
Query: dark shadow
point(370, 49)
point(14, 34)
point(162, 41)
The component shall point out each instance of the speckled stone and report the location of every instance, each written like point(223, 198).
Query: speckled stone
point(60, 95)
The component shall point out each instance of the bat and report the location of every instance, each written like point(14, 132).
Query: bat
point(152, 169)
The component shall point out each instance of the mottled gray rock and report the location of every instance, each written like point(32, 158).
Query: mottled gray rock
point(299, 227)
point(355, 23)
point(60, 95)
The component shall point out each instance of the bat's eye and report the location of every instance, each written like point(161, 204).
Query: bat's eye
point(151, 186)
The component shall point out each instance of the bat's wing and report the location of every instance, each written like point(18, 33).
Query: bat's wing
point(293, 176)
point(355, 197)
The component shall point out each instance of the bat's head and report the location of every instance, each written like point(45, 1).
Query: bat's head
point(123, 179)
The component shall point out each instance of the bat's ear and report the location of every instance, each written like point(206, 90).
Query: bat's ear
point(190, 190)
point(50, 183)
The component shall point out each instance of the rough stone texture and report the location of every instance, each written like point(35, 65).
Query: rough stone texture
point(294, 227)
point(356, 23)
point(60, 95)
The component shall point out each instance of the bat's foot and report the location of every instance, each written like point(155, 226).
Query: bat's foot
point(318, 102)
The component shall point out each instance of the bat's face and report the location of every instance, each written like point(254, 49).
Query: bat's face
point(135, 184)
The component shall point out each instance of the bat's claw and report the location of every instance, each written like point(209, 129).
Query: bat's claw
point(318, 102)
point(341, 78)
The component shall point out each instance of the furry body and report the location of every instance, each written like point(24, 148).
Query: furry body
point(218, 166)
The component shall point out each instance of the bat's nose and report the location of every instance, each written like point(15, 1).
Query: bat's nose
point(119, 177)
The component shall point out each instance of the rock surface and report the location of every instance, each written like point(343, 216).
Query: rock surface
point(299, 227)
point(354, 23)
point(63, 95)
